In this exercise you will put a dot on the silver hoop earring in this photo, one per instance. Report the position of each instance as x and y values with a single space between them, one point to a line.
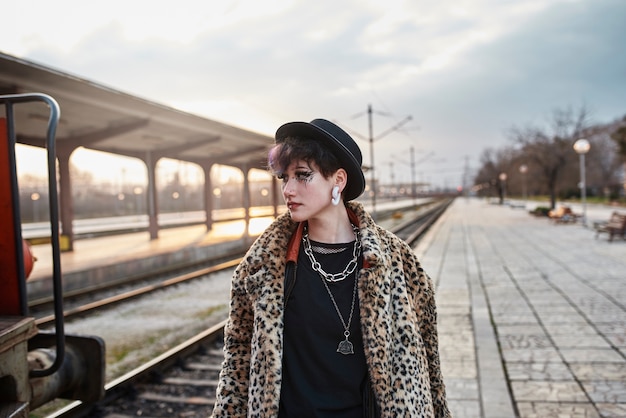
336 196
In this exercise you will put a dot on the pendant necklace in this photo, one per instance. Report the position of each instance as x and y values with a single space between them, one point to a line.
345 346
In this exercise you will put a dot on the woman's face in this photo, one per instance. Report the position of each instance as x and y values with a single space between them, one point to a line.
305 190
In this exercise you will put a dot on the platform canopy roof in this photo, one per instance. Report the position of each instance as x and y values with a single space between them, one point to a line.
100 118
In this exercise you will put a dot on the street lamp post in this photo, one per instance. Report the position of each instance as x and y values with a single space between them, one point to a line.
502 178
392 185
523 169
137 191
35 198
175 196
582 147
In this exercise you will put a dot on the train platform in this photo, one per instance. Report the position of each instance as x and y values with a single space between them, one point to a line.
95 261
532 314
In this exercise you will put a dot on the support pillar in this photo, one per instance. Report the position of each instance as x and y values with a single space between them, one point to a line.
246 198
275 196
151 196
66 200
208 195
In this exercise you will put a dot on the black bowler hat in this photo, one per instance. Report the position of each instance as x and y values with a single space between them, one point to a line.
341 144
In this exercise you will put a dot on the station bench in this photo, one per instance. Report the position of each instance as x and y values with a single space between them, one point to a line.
615 226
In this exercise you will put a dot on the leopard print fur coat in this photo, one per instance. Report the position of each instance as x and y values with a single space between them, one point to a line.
398 322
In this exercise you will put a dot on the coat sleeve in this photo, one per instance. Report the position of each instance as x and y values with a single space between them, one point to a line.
232 389
423 294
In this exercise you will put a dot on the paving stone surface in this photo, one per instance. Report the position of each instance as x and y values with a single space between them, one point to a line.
532 315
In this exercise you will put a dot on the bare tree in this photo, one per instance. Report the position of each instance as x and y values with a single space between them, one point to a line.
619 136
494 164
550 149
604 161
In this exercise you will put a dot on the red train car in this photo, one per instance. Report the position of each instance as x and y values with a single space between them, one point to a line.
36 366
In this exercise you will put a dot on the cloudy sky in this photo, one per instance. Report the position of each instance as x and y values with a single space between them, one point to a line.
465 71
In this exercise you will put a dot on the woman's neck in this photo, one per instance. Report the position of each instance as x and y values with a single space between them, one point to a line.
333 229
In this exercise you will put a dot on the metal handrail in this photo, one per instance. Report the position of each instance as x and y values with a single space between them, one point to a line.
53 121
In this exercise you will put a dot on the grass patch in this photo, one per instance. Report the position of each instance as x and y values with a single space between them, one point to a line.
207 313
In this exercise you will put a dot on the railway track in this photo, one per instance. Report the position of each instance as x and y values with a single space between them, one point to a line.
182 381
110 301
413 228
179 383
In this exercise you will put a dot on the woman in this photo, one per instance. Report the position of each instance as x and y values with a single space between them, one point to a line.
330 315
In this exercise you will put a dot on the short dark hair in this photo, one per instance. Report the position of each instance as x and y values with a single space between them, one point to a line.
294 148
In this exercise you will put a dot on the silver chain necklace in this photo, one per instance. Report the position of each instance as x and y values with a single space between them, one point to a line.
336 277
345 346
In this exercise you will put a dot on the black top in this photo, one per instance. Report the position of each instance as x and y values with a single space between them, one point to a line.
317 380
